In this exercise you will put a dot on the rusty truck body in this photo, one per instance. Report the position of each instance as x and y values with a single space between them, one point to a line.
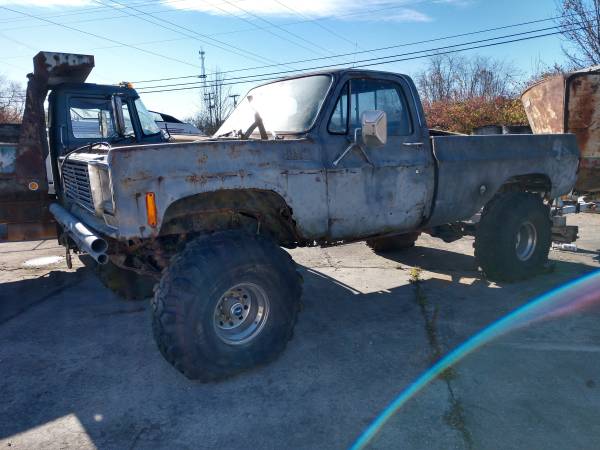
317 159
570 103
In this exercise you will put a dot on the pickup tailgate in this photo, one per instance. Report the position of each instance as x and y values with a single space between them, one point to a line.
471 169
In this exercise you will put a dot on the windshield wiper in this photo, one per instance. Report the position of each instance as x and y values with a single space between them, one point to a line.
236 133
258 122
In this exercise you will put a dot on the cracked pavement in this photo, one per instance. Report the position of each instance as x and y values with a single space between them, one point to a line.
78 367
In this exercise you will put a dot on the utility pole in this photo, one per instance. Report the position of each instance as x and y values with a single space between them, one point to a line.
234 97
206 95
202 70
208 100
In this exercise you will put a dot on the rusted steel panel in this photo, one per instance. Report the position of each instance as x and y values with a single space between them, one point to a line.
24 196
544 105
29 231
570 103
583 119
56 68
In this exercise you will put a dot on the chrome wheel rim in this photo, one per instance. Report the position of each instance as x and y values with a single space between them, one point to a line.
241 313
526 241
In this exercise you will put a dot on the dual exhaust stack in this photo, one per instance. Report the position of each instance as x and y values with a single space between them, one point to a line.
85 239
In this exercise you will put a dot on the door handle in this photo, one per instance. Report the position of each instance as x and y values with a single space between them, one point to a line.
412 144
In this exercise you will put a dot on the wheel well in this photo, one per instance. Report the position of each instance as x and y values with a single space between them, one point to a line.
533 182
259 211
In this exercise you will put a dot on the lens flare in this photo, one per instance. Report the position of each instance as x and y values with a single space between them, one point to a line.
567 299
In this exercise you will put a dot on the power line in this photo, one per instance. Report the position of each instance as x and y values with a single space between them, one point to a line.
266 29
313 20
262 19
433 52
97 36
368 60
205 38
389 47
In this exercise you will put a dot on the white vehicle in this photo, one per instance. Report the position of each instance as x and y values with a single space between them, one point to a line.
174 126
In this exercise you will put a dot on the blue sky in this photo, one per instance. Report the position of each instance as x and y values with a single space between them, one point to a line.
239 34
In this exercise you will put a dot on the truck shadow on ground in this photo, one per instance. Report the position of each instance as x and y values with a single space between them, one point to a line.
459 265
84 353
19 296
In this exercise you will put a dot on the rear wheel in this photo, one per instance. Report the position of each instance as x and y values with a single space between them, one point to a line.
513 237
393 243
228 302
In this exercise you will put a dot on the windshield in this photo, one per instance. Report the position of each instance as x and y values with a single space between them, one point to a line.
146 120
285 106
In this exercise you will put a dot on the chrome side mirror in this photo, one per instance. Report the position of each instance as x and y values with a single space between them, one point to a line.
374 128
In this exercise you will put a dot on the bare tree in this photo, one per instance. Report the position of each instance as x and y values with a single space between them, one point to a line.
458 78
12 101
216 104
540 71
579 23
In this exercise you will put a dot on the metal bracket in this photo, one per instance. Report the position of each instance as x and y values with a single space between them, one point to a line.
353 144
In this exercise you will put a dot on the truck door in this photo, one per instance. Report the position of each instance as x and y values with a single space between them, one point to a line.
386 189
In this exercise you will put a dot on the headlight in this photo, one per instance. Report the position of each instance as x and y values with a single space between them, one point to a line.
101 191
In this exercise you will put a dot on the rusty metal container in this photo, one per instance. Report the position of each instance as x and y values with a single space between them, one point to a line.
570 103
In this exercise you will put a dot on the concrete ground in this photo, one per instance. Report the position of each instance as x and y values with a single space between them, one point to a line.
79 368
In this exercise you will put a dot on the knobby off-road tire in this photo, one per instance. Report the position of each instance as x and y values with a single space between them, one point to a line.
216 277
513 237
393 243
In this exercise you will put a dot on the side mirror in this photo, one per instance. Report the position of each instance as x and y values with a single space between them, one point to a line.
374 128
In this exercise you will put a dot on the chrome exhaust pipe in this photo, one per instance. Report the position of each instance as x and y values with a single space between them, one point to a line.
85 239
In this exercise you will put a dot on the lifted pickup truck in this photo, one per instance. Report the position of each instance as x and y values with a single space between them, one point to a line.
318 159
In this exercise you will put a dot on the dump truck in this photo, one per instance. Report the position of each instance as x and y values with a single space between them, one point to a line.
317 159
30 151
570 103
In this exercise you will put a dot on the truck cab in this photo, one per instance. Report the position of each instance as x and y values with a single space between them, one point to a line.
83 114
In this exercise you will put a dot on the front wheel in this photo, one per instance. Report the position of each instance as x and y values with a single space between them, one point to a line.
513 237
227 303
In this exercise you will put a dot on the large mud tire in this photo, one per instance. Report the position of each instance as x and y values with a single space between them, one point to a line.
513 237
186 306
393 243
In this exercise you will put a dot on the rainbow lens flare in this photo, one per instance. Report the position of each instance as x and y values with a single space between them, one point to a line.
572 297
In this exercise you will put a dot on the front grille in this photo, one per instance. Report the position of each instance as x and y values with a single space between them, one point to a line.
76 183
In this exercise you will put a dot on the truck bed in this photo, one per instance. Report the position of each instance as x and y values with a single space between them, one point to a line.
472 169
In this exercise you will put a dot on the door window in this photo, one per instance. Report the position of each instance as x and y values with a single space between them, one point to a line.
338 122
384 96
129 131
91 118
